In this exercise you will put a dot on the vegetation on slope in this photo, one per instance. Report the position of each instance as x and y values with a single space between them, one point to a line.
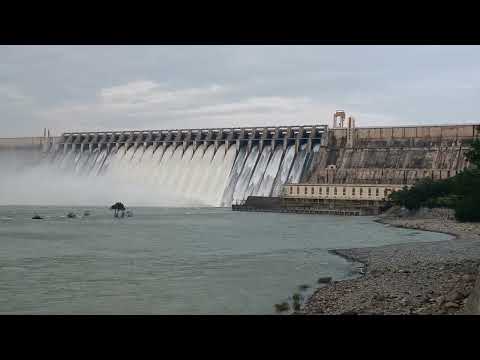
461 192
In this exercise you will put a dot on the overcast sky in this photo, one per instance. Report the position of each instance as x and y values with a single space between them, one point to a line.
67 88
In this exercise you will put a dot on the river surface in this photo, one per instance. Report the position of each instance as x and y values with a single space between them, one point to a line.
173 260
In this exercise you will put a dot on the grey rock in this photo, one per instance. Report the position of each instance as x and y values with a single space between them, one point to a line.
451 305
378 297
454 296
469 278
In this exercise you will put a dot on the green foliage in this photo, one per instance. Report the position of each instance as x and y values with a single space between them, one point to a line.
468 209
421 193
461 192
473 155
442 202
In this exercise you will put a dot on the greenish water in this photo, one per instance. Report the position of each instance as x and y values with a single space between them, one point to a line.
172 260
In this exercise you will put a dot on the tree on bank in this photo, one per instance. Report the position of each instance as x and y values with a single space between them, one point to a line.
460 192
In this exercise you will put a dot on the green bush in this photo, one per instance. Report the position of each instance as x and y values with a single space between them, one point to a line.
460 192
468 209
442 202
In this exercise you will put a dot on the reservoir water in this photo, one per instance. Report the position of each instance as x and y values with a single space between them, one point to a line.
172 260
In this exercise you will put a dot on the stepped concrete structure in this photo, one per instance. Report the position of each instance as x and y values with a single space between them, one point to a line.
391 155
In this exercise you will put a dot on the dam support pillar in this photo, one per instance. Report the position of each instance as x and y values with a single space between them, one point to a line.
288 135
67 142
298 139
228 141
240 139
250 140
120 140
324 139
275 138
167 140
187 140
208 140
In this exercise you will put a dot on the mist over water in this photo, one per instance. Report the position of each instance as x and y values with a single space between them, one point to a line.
148 176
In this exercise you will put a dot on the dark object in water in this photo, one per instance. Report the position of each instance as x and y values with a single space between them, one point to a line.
86 213
129 213
282 307
71 215
118 206
303 287
37 217
325 280
297 300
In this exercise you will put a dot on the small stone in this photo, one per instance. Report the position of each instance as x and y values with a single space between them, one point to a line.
451 305
440 300
378 297
454 296
468 277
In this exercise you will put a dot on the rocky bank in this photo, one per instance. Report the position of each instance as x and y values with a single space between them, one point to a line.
410 278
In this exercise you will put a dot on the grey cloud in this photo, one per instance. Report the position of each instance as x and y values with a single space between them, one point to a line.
80 87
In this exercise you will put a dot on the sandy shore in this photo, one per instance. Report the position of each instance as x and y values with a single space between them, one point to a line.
410 278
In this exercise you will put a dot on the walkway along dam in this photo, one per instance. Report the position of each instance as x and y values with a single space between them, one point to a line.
224 166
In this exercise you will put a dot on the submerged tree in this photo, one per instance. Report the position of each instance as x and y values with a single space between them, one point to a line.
117 207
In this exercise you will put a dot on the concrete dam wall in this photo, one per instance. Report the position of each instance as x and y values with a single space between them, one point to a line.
182 167
393 155
218 167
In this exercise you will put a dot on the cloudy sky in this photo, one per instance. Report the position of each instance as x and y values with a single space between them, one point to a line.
67 88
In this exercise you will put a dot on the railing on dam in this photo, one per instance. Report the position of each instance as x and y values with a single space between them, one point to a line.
238 136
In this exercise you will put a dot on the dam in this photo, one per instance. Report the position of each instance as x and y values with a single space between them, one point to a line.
197 167
225 166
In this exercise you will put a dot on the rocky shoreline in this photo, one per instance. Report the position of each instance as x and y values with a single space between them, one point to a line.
409 278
